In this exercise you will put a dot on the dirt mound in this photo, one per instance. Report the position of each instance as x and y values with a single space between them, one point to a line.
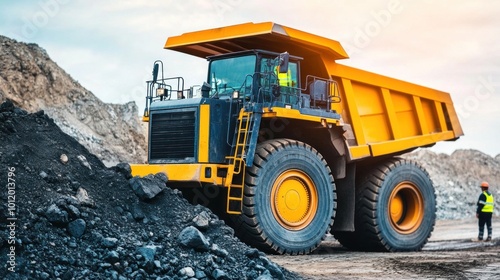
457 177
34 82
73 218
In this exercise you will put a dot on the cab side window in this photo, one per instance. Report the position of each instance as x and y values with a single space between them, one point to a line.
288 79
271 73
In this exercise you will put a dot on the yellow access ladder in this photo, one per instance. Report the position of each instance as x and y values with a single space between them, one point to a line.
235 179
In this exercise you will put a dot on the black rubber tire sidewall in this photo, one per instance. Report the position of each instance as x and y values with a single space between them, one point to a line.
393 240
302 157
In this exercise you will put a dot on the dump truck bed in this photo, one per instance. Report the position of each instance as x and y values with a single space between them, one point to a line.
381 115
388 116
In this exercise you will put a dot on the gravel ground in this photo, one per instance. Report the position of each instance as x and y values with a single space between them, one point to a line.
452 253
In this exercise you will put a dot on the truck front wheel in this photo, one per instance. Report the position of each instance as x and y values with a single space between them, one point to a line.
289 198
395 208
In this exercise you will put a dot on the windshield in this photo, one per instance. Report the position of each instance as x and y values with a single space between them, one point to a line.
230 74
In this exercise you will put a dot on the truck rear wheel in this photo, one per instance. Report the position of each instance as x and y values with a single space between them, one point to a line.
395 208
289 199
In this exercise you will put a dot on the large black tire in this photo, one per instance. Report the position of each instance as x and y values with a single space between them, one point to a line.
289 198
395 208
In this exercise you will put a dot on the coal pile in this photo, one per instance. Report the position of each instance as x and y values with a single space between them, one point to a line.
73 218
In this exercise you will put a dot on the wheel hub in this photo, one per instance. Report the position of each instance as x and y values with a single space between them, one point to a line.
294 199
406 208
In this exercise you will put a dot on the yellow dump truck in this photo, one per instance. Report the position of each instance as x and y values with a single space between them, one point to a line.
290 145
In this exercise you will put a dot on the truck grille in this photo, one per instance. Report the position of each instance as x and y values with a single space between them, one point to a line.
172 135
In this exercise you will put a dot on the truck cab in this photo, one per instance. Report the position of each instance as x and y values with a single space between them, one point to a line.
181 118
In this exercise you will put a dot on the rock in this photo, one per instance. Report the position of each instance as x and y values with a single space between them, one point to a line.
147 187
63 158
83 197
7 126
191 237
63 260
73 211
56 216
109 242
137 212
112 257
123 168
147 252
77 227
218 251
219 274
265 276
253 253
202 220
200 274
43 174
7 106
187 271
275 271
83 161
162 177
157 264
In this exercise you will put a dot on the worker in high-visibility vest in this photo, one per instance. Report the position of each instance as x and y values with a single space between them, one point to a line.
485 211
287 83
285 79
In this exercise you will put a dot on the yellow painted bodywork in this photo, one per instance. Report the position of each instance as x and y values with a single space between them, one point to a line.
266 36
204 132
387 116
279 112
179 172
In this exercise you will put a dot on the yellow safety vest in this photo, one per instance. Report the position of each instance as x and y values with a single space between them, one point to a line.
284 78
488 204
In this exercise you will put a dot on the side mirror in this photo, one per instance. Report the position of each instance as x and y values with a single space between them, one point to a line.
283 63
155 72
205 89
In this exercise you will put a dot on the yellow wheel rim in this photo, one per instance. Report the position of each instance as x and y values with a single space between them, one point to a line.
294 199
406 208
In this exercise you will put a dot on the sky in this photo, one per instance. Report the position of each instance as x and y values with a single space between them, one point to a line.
110 46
